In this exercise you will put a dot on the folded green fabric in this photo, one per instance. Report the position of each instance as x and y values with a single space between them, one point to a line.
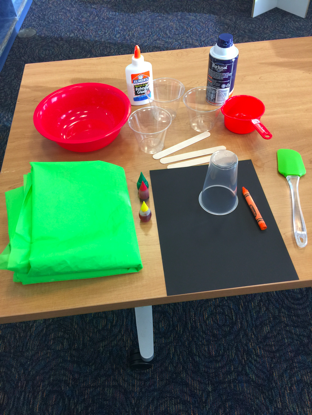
70 220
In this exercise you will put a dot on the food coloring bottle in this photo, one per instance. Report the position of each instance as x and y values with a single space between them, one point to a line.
222 66
139 77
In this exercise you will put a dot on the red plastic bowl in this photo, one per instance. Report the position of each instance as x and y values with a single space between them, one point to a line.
82 117
238 112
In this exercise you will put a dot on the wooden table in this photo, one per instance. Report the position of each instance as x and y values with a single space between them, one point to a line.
277 72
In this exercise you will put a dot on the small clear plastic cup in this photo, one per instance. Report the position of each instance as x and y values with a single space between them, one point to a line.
150 125
167 94
219 194
202 114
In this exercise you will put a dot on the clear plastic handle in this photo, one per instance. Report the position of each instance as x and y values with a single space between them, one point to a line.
300 229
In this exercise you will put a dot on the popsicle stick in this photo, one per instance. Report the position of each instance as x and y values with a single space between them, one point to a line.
187 163
181 145
191 154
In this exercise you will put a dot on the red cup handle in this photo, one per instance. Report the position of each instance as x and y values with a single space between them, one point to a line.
264 132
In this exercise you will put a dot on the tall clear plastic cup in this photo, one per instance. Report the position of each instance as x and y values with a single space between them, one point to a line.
150 125
202 114
167 94
219 194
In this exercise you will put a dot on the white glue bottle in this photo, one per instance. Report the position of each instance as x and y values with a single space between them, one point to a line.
222 66
139 77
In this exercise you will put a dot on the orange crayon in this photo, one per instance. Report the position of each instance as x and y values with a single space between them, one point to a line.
254 209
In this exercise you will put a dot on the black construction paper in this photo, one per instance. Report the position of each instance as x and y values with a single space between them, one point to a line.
203 252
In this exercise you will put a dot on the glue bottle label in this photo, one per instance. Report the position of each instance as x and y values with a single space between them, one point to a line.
141 88
221 78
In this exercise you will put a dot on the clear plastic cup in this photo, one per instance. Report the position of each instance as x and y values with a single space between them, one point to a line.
150 125
167 94
219 194
202 114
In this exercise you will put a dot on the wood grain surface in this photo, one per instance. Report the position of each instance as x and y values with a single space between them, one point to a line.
278 72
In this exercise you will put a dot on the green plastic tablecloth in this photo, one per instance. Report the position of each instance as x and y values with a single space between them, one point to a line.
70 220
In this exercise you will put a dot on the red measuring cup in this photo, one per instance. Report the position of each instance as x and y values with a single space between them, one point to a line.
242 114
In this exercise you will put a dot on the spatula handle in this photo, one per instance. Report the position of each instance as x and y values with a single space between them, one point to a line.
300 229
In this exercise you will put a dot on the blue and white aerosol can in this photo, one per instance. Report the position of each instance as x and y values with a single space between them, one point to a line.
222 66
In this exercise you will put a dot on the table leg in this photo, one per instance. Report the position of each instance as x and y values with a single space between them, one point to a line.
298 7
144 323
262 6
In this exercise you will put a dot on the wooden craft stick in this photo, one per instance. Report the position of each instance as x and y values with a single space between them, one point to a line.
191 154
187 163
181 145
